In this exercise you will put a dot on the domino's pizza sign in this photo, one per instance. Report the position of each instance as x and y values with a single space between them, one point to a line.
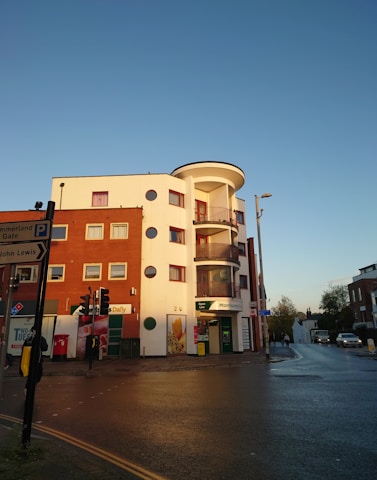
17 308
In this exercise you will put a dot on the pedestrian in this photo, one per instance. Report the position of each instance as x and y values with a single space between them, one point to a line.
282 339
286 340
25 357
8 361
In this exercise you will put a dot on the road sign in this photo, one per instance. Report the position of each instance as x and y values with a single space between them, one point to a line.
22 252
24 231
264 313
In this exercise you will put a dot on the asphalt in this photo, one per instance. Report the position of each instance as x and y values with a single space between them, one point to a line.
51 458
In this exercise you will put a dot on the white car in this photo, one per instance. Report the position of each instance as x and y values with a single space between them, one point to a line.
348 340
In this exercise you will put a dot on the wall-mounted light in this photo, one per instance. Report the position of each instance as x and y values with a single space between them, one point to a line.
38 205
133 291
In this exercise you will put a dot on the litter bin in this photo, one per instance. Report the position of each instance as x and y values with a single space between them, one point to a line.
60 347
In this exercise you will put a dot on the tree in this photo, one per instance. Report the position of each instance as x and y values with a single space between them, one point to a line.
335 303
282 317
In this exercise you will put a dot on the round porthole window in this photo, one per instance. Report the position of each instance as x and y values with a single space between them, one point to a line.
150 323
150 272
151 195
151 232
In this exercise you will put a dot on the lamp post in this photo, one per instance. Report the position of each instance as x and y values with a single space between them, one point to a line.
261 277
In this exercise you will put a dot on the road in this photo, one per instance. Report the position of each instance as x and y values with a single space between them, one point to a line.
309 418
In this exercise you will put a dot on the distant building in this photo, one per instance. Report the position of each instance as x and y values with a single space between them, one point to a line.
363 292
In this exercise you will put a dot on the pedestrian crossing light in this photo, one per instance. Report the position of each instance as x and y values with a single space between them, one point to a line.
104 300
84 310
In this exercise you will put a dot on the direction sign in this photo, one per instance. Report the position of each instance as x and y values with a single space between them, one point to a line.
24 231
22 252
264 313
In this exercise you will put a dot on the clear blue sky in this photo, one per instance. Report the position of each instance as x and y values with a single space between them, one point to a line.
285 89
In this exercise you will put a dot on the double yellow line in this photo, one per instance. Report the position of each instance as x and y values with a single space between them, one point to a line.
121 463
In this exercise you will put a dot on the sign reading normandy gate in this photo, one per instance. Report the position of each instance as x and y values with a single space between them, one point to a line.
24 231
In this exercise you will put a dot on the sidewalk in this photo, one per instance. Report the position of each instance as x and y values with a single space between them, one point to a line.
48 457
156 364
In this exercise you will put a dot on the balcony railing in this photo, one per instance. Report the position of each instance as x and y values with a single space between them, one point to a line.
219 251
218 289
216 215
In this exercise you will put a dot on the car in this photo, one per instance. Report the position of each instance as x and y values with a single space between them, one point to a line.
348 340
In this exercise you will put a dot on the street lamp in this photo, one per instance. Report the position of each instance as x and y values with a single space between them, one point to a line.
261 277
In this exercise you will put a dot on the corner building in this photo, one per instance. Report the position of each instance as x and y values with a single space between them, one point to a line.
194 281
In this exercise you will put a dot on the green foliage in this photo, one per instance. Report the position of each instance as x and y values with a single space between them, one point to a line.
282 318
337 312
16 462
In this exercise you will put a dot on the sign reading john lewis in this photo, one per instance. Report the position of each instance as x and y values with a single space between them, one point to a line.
22 252
24 231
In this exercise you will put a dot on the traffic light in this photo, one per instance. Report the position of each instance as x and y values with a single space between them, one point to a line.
84 310
104 300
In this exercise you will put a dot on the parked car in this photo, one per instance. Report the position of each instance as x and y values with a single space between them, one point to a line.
348 340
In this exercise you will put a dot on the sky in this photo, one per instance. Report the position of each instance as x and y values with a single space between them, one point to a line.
284 89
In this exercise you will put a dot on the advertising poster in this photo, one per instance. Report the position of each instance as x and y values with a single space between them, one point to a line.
101 328
176 334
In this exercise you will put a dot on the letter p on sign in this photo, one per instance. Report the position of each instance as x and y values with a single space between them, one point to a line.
41 230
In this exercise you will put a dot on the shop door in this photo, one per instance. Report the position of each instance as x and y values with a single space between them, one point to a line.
226 335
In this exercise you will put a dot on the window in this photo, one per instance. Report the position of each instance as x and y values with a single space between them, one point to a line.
92 271
240 217
55 273
200 211
100 199
243 281
27 274
359 294
94 232
59 232
150 272
150 323
353 296
176 198
119 231
177 273
242 249
177 235
151 195
117 271
151 232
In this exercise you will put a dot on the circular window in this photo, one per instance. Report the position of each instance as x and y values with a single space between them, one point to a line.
150 323
151 195
151 232
150 272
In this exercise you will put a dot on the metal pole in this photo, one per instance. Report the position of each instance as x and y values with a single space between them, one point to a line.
8 308
36 347
261 281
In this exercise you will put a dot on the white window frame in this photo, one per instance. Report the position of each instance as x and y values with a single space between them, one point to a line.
117 264
34 271
89 277
113 228
60 239
50 276
94 225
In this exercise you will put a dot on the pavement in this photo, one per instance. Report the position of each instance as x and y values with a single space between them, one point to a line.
48 457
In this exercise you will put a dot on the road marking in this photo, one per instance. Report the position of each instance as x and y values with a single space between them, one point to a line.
119 462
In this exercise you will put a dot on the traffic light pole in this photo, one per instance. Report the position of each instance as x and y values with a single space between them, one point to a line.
4 342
